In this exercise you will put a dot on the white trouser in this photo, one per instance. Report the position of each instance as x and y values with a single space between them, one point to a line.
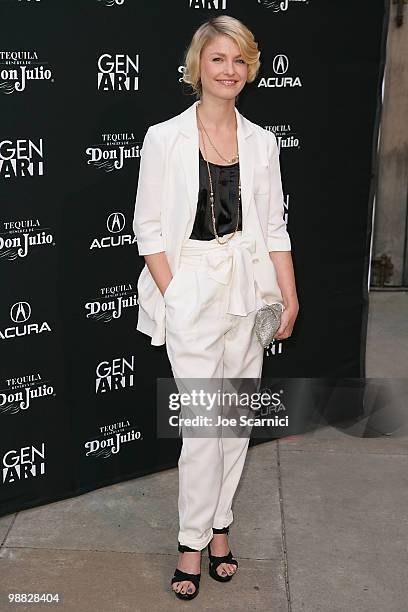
211 304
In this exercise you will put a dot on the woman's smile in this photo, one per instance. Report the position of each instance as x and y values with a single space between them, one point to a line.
228 83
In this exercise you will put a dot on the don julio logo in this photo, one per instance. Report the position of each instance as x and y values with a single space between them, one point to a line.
110 439
20 391
113 151
115 223
285 136
20 313
19 237
280 66
280 5
118 72
20 158
111 2
111 303
19 67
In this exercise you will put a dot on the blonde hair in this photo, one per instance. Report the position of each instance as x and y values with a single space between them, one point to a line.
223 24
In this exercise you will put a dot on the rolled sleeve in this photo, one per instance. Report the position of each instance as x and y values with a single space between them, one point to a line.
147 225
278 236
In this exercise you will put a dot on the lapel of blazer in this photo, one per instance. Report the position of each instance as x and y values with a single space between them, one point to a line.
189 153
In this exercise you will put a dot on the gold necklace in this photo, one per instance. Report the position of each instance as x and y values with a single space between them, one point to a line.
212 199
229 161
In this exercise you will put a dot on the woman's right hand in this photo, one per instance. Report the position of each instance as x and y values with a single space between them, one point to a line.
160 270
167 286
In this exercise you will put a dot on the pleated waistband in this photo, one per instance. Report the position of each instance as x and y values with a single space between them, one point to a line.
196 249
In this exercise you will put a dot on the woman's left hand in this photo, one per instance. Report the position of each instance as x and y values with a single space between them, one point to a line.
288 319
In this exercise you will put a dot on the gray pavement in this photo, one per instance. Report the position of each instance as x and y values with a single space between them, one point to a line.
321 523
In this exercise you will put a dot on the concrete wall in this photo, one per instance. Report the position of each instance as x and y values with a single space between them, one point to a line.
390 217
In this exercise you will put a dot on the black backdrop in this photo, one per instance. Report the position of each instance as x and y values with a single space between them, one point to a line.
65 343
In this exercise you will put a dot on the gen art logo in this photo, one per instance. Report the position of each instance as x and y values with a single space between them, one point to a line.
208 4
119 72
114 375
24 463
21 157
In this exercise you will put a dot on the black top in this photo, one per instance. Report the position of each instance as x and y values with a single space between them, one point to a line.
225 184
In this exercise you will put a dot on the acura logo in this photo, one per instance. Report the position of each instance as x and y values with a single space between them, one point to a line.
20 312
280 64
116 222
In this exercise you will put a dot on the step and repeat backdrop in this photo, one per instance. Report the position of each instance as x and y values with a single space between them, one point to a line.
80 83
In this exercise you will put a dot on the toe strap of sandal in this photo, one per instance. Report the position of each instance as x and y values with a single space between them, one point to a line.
183 548
179 576
216 561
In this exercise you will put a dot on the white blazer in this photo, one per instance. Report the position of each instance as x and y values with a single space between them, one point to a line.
166 202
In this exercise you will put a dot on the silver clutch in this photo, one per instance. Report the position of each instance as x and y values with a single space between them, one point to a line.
267 322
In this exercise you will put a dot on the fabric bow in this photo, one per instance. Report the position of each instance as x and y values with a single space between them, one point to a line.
234 266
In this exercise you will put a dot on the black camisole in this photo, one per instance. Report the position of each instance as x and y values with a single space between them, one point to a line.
225 185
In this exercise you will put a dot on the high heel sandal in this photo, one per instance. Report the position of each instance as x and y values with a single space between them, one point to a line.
216 561
179 576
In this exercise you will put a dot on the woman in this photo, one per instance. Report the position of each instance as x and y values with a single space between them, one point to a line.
209 222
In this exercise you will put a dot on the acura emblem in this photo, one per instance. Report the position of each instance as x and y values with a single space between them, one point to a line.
280 64
20 312
116 222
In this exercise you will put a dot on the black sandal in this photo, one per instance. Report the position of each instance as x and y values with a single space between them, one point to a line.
216 561
179 576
